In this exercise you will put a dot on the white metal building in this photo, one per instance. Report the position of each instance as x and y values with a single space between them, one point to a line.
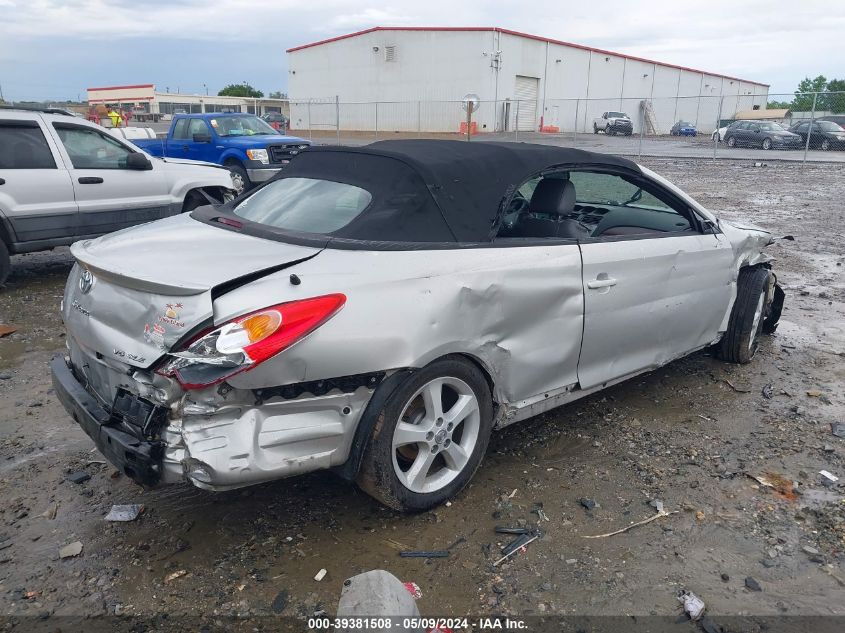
522 80
145 98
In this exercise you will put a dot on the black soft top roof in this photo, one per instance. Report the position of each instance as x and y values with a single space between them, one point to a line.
459 188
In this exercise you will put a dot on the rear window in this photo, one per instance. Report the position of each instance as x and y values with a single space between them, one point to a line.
308 205
23 146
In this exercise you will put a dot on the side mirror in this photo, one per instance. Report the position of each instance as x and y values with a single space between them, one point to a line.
139 161
202 138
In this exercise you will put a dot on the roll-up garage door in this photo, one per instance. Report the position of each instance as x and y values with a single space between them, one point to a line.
527 89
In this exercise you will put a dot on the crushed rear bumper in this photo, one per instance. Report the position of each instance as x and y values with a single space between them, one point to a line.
137 458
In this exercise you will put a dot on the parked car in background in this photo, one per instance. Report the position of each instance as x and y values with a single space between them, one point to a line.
719 134
839 119
277 121
613 123
380 310
683 128
824 135
243 143
63 179
764 134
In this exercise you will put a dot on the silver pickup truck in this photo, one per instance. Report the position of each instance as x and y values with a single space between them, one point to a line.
613 123
63 179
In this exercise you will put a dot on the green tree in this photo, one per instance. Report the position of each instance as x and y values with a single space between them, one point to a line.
240 90
775 105
804 102
835 102
278 94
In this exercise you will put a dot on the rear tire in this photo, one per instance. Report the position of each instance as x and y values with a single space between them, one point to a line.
5 263
430 436
749 313
595 129
766 144
731 142
825 145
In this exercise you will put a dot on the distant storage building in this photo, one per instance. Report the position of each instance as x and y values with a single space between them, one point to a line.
144 98
419 75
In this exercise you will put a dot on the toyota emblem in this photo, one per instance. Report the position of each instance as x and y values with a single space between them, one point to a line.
86 281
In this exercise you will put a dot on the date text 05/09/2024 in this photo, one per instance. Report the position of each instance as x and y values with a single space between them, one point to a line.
428 624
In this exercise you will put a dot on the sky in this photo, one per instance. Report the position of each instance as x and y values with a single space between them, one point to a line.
55 49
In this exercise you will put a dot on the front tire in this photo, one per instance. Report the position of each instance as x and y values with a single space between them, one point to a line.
607 130
430 436
5 263
240 179
595 129
749 313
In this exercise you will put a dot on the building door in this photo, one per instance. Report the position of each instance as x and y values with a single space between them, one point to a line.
526 91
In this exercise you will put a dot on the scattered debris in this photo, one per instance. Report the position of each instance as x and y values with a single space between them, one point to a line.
425 554
71 550
725 577
783 486
829 476
810 550
513 494
50 513
589 503
413 589
737 389
500 529
815 393
768 391
176 574
660 513
693 605
125 512
79 477
752 584
320 575
657 504
518 542
838 429
514 551
280 602
5 330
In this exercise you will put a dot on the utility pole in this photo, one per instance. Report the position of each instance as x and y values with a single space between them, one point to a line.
1 93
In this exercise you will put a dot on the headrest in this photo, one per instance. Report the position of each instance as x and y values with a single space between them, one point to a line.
553 195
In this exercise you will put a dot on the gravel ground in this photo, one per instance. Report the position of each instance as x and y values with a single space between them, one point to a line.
692 434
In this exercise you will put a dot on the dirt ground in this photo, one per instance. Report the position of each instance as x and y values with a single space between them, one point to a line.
690 434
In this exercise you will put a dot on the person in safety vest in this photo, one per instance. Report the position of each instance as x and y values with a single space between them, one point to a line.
115 117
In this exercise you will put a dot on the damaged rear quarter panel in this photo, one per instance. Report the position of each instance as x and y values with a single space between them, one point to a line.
518 311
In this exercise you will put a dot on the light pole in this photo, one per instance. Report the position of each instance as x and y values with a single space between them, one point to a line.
206 89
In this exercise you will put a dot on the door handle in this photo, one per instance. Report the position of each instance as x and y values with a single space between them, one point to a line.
185 148
604 282
90 180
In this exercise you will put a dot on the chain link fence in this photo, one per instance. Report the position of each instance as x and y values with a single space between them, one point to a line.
797 126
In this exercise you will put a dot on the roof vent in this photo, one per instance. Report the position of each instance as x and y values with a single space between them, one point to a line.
390 53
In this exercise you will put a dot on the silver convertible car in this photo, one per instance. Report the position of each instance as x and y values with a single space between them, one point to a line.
378 311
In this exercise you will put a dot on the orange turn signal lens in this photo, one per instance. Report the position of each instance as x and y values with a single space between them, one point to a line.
260 326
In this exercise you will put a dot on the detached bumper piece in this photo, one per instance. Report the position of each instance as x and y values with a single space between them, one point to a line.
121 435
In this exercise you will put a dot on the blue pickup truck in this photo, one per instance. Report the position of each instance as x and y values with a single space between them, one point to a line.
251 149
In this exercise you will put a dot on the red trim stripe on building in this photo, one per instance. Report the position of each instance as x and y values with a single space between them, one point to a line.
124 87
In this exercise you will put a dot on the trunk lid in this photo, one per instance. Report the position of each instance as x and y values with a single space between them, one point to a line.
133 294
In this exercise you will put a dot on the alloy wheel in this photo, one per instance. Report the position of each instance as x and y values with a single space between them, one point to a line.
436 434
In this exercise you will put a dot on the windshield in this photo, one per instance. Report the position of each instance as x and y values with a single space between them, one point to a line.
616 115
771 127
305 204
829 126
241 126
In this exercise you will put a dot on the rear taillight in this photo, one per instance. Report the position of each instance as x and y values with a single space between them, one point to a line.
248 340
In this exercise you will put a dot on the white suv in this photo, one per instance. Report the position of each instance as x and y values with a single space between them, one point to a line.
63 179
